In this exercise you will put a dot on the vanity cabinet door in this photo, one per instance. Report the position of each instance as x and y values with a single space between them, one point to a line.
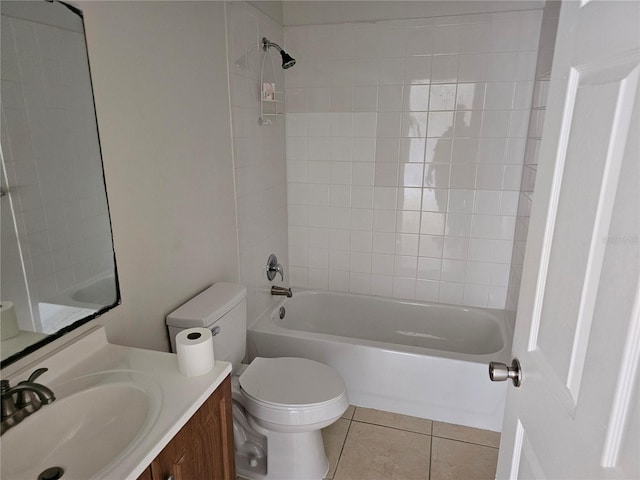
146 475
203 448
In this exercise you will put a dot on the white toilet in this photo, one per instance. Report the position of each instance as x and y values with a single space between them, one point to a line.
279 404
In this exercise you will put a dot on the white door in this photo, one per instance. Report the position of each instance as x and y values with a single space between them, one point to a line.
576 414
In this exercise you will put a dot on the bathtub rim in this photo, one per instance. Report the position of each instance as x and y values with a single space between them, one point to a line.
265 323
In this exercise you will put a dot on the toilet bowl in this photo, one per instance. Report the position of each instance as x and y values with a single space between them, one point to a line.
289 400
280 405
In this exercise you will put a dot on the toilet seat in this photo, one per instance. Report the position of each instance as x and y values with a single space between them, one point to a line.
292 392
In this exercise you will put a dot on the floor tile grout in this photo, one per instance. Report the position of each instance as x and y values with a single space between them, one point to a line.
426 434
344 442
466 441
392 427
430 453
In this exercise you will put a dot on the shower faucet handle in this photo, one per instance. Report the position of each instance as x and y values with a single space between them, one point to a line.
274 267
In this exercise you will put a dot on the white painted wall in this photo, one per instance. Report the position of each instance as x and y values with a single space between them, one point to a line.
273 10
321 12
160 83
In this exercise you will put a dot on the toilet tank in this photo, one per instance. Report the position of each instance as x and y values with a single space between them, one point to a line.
222 308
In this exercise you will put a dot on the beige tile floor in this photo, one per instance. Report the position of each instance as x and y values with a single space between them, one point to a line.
367 444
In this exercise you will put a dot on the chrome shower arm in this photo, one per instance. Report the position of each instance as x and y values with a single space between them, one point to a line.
266 43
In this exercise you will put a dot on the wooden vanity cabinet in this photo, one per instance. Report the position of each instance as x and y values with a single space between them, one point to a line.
203 448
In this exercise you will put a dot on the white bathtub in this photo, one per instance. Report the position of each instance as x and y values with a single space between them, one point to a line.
425 360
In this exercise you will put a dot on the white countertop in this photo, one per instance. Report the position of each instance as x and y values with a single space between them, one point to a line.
174 398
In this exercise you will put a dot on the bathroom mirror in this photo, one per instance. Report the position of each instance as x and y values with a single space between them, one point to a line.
57 265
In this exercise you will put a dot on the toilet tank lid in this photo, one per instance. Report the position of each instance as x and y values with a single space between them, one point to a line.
208 307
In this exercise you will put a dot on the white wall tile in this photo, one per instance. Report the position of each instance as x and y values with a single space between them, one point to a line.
417 70
444 68
461 201
338 281
362 196
453 270
419 41
339 260
338 217
451 293
339 195
442 97
362 219
391 71
364 124
360 283
429 268
455 248
390 98
476 295
318 279
320 149
361 262
364 150
409 198
361 240
338 239
296 125
384 220
382 264
318 237
404 287
318 258
318 124
384 242
407 244
427 290
382 285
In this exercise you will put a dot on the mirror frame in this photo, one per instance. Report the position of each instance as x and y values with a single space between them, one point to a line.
78 323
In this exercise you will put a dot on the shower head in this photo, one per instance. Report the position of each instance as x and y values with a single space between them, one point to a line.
287 60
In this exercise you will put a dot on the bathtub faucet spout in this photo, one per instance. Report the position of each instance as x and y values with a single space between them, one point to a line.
275 290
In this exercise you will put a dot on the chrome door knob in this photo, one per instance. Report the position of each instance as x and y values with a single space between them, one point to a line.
499 372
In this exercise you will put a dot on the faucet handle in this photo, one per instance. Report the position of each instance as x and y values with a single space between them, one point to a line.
35 374
274 267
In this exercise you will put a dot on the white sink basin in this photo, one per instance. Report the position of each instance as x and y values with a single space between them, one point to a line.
116 408
81 433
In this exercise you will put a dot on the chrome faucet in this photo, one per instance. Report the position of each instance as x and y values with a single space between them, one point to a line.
30 396
274 267
275 290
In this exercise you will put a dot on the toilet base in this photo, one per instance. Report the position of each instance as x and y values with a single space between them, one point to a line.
290 456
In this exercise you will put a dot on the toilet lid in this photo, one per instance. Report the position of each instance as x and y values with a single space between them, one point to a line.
291 381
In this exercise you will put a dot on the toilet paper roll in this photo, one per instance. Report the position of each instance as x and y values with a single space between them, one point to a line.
8 321
194 347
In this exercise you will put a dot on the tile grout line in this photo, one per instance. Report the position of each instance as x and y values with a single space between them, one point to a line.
393 428
342 448
465 441
430 453
426 434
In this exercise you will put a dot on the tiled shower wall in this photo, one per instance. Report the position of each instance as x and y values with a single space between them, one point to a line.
259 153
404 145
534 137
